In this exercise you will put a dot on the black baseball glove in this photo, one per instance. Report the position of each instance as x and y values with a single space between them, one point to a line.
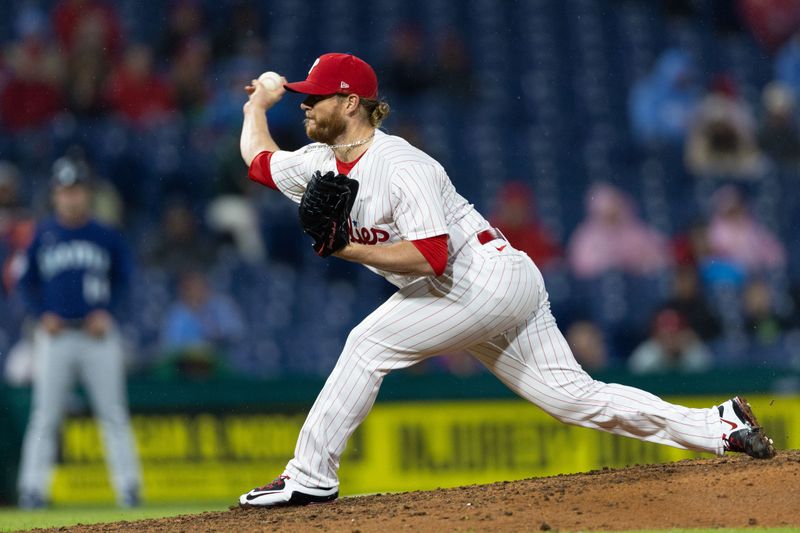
325 211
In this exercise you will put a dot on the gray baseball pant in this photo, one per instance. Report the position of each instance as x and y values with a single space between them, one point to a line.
98 364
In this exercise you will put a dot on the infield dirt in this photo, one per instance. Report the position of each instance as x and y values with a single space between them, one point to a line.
724 492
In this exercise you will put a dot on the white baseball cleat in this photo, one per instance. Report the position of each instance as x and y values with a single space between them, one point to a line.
285 491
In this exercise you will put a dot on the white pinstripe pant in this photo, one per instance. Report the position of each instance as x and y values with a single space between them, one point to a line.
492 303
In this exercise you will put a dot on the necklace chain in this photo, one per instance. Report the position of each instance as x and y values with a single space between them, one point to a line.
347 146
352 144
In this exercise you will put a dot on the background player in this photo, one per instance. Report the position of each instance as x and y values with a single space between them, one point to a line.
77 271
462 286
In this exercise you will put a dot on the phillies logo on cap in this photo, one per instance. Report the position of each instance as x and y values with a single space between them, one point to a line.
328 73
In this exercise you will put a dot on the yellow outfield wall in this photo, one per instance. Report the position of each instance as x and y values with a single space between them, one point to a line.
400 447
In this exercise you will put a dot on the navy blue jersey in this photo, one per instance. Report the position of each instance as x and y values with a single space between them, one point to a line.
72 271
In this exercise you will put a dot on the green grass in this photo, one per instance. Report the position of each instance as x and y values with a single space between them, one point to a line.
13 519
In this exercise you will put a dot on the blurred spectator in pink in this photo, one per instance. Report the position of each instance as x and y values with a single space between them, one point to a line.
136 92
31 97
588 346
722 137
736 236
771 22
93 22
612 237
672 347
778 133
692 249
660 105
515 216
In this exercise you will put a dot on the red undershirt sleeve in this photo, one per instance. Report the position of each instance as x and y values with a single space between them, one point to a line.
435 251
260 171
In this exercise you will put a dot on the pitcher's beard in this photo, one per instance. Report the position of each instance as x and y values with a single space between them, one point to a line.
325 130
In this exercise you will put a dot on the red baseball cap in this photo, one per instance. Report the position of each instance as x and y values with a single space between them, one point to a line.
338 73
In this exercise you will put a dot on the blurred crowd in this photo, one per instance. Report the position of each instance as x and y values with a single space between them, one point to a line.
225 282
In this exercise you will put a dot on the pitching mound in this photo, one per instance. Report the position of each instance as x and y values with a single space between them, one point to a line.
726 492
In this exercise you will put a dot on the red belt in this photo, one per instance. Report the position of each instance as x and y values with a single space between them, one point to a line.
489 235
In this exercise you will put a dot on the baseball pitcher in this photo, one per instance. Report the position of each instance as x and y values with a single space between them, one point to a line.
372 198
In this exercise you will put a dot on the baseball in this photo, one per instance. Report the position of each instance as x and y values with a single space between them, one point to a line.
270 80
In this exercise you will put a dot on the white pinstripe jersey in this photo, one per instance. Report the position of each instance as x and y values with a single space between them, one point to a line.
403 194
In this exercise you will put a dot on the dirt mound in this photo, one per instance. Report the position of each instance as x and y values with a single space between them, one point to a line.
724 492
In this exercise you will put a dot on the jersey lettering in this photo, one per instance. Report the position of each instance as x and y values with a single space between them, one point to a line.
368 235
72 255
